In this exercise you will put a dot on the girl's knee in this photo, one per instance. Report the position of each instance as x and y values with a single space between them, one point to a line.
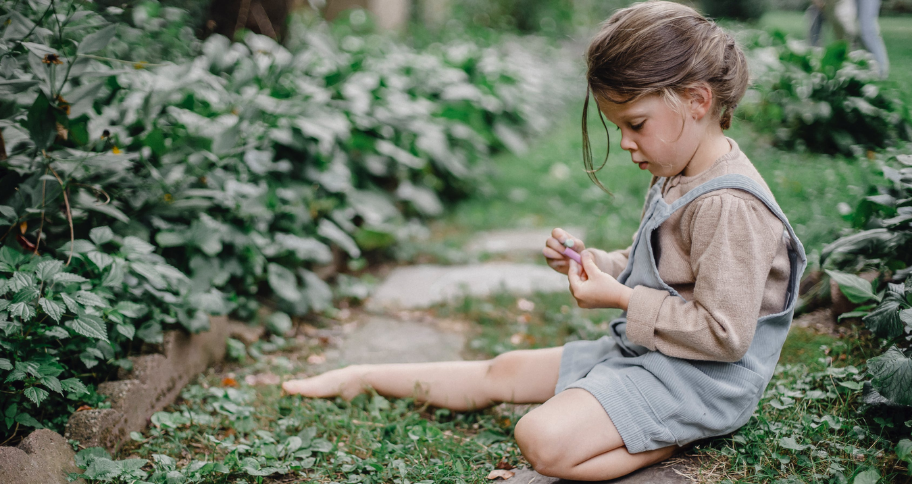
540 442
501 371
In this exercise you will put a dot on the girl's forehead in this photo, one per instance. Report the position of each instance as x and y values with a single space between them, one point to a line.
638 107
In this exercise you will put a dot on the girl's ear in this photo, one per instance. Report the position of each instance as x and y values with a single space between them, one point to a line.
701 100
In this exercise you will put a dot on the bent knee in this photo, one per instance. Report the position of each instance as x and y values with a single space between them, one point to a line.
542 443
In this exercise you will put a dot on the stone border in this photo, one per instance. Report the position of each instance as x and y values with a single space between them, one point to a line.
155 382
43 457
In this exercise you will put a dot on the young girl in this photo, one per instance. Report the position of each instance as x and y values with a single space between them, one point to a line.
709 284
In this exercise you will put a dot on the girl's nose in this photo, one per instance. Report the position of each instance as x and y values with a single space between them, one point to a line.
626 143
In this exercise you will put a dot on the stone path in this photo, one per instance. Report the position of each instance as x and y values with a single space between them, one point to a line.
520 240
386 340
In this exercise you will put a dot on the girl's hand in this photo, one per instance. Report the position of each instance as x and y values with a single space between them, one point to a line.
554 250
593 288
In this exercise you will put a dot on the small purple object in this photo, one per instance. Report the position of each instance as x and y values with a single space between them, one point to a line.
573 255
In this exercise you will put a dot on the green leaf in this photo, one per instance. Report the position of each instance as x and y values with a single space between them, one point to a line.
85 457
70 303
57 332
100 259
26 295
73 385
885 319
852 385
278 323
128 330
97 40
69 278
48 268
23 311
42 124
52 309
904 451
791 444
8 214
101 235
856 289
36 395
88 299
870 476
892 372
88 325
39 50
52 384
283 282
130 309
5 364
26 419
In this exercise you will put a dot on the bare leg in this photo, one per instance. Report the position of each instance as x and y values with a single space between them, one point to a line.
524 376
572 437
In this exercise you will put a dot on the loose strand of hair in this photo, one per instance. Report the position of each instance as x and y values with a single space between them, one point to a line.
587 147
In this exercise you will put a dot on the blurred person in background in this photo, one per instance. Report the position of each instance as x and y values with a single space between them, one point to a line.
852 20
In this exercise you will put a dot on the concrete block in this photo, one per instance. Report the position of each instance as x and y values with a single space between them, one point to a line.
43 457
154 383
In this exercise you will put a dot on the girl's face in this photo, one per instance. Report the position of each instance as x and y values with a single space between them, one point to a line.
659 138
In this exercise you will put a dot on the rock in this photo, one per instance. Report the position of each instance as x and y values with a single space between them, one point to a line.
387 340
427 285
44 457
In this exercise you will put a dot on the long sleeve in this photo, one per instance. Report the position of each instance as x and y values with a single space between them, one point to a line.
732 243
613 262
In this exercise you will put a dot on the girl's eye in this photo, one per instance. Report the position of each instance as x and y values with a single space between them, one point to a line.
637 127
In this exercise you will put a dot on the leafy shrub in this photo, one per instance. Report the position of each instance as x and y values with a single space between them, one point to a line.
886 246
825 100
750 10
247 165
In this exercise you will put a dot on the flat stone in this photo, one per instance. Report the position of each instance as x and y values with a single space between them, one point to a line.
426 285
660 473
387 340
515 240
43 457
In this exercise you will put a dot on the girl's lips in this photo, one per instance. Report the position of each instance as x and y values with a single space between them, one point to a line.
643 165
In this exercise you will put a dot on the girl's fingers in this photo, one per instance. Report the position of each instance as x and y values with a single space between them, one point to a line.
553 253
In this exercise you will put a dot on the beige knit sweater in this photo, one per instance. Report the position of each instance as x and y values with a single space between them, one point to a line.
725 253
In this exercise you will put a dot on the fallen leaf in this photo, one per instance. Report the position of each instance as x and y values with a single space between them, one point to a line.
83 408
316 359
501 473
229 382
503 464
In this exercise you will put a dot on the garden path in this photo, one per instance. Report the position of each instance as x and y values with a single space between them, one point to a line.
397 331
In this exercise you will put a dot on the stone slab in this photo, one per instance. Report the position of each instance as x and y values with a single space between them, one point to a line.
515 240
387 340
43 457
657 474
154 383
426 285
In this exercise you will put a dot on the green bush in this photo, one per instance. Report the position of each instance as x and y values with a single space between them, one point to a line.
826 100
245 165
886 247
748 10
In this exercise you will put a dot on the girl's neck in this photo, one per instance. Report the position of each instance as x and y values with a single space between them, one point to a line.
714 146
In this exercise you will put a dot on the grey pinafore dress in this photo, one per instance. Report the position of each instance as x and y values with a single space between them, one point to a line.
656 400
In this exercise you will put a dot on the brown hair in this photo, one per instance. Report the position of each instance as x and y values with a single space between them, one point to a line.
660 47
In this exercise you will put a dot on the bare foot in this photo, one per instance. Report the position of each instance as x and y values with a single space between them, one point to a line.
344 382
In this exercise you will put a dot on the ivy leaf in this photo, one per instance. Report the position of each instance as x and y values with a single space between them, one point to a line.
5 364
70 303
892 372
73 385
96 40
69 278
101 235
23 311
36 395
130 309
856 289
89 325
52 383
54 310
128 330
48 269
